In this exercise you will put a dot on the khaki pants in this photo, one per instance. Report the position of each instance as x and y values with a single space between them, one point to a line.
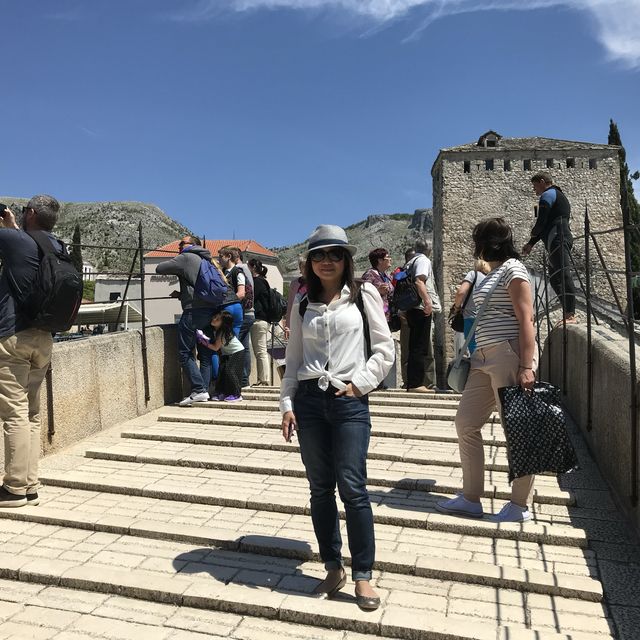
491 368
260 332
24 360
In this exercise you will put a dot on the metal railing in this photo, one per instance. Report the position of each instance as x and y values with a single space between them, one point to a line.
608 304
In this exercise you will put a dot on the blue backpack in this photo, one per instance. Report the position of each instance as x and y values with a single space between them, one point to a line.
210 285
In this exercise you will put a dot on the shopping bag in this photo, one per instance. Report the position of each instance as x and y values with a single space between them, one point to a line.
535 430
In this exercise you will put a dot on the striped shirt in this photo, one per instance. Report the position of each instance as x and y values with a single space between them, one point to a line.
498 321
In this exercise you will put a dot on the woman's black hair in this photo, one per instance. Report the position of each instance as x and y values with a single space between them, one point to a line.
314 284
258 267
376 255
494 240
225 330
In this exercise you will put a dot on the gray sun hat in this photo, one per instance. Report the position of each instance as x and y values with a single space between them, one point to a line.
329 235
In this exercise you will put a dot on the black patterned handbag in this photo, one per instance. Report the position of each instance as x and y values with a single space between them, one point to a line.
535 430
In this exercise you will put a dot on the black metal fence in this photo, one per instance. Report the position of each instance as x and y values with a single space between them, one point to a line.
608 304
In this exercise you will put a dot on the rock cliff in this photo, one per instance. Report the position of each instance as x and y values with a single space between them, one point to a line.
394 232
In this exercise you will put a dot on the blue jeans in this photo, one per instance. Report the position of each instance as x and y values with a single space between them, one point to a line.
191 320
468 323
334 439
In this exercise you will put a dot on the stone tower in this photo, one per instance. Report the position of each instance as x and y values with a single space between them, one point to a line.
492 177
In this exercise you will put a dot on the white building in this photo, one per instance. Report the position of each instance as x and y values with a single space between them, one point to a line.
159 308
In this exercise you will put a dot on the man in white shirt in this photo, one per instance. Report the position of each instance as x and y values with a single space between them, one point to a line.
241 280
419 319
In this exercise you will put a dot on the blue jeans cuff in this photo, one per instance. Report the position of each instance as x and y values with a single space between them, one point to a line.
360 575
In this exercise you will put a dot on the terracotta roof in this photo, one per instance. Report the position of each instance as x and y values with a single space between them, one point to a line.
170 250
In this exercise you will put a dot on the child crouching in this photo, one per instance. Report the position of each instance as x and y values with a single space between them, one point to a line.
220 337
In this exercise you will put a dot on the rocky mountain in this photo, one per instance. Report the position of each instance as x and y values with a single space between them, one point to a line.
394 232
111 224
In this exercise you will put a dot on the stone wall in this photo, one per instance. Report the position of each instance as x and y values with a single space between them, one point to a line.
610 436
98 382
462 199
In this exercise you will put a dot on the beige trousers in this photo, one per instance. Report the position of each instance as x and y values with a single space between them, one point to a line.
24 360
260 332
491 368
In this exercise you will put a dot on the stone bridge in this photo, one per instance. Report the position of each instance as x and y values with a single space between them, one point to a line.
188 524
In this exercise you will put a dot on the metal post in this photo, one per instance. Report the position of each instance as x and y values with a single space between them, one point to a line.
546 302
587 257
632 350
537 299
126 289
145 364
51 424
563 302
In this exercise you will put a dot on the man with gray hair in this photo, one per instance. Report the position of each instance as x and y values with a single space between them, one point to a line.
419 318
25 351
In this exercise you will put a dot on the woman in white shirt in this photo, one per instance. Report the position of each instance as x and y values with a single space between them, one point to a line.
330 369
505 356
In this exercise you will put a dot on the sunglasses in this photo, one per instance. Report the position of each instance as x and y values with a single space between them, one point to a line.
334 255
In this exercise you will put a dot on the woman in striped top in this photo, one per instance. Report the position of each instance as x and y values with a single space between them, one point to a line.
505 356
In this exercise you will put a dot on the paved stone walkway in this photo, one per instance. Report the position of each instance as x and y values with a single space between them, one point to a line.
194 523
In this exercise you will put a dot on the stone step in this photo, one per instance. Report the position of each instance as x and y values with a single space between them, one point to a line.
418 413
246 584
108 510
398 449
288 463
288 495
386 393
504 577
434 430
374 400
32 611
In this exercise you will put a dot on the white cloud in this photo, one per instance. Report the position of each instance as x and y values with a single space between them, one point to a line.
617 22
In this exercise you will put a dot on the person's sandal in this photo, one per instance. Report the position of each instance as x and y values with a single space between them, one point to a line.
567 320
331 590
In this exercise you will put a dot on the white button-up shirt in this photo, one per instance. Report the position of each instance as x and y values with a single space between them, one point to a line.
328 345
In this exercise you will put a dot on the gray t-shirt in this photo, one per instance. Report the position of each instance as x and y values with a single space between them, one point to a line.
470 308
20 262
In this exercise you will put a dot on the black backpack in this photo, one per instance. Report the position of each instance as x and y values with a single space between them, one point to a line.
55 295
405 292
276 306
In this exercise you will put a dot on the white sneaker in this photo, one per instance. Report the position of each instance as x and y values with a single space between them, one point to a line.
512 513
194 397
460 506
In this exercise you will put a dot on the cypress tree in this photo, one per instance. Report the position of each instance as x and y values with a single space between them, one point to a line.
629 205
76 250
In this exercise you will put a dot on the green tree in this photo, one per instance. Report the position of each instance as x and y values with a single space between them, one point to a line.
76 249
89 290
629 205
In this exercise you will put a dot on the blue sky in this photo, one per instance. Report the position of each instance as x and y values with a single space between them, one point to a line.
264 118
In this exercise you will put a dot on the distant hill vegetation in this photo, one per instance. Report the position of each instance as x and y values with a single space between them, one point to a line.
395 232
111 224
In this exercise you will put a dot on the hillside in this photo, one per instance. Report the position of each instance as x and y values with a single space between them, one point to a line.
111 224
394 232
